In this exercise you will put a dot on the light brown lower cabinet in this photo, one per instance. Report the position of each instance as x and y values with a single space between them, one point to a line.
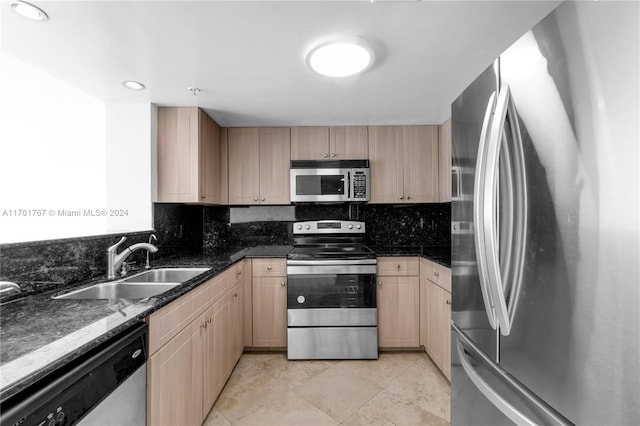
435 321
269 303
398 293
187 373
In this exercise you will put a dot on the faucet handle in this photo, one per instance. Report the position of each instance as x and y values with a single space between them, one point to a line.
114 247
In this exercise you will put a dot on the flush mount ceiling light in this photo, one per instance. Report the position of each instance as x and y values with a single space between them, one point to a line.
29 11
340 56
133 85
194 90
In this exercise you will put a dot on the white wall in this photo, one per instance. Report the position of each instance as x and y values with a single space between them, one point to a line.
64 155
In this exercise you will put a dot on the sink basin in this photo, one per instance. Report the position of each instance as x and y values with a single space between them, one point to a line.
165 275
145 284
119 290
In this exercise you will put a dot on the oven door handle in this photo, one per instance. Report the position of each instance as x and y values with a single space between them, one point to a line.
342 269
331 262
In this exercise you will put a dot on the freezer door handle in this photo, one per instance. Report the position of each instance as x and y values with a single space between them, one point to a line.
505 266
478 213
467 349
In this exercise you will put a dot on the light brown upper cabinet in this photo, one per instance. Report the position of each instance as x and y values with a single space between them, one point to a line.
404 164
191 157
259 160
329 143
444 131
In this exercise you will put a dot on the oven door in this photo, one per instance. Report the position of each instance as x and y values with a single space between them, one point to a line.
331 286
319 185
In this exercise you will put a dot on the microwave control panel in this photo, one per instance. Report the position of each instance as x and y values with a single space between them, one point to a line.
359 184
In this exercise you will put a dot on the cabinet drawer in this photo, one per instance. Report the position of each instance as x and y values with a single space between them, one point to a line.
269 267
169 321
440 275
398 266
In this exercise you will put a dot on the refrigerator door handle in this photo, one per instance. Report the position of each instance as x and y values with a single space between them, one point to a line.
478 212
467 349
516 210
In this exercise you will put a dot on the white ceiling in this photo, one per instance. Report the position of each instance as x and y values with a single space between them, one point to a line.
248 57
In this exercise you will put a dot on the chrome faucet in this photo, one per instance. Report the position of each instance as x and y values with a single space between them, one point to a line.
114 261
152 237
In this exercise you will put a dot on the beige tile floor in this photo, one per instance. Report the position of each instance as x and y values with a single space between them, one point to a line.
397 389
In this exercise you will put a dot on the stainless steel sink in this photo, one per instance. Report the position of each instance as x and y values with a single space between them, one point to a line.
119 290
141 286
165 275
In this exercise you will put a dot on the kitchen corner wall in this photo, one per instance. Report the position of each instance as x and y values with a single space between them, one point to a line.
203 229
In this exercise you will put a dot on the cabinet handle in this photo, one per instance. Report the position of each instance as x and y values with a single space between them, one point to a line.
402 198
448 302
408 198
262 199
209 320
235 295
269 268
398 266
203 196
282 283
436 274
325 155
333 155
379 283
255 199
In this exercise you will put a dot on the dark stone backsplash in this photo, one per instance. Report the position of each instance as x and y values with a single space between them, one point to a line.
192 229
413 225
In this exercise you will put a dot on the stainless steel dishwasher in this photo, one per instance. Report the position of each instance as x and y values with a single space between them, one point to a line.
106 386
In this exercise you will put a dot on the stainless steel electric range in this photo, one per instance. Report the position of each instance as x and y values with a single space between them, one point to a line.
331 293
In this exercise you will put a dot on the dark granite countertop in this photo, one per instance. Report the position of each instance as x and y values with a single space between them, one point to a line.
438 254
39 334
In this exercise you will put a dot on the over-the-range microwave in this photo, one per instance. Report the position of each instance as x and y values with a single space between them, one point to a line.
330 181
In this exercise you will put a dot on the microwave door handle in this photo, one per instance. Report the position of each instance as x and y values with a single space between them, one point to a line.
348 191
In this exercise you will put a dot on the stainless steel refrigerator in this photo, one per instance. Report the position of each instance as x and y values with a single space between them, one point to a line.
545 226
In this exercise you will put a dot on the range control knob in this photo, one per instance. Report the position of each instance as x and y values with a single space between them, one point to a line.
307 227
358 226
299 226
350 226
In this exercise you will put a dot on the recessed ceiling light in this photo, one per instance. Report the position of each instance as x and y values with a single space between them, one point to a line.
340 57
133 85
29 11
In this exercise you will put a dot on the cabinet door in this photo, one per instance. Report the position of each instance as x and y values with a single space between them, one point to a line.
244 165
210 160
420 164
275 161
446 341
424 273
248 302
218 363
349 143
309 143
398 311
269 312
445 161
237 310
435 323
178 161
385 155
174 380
